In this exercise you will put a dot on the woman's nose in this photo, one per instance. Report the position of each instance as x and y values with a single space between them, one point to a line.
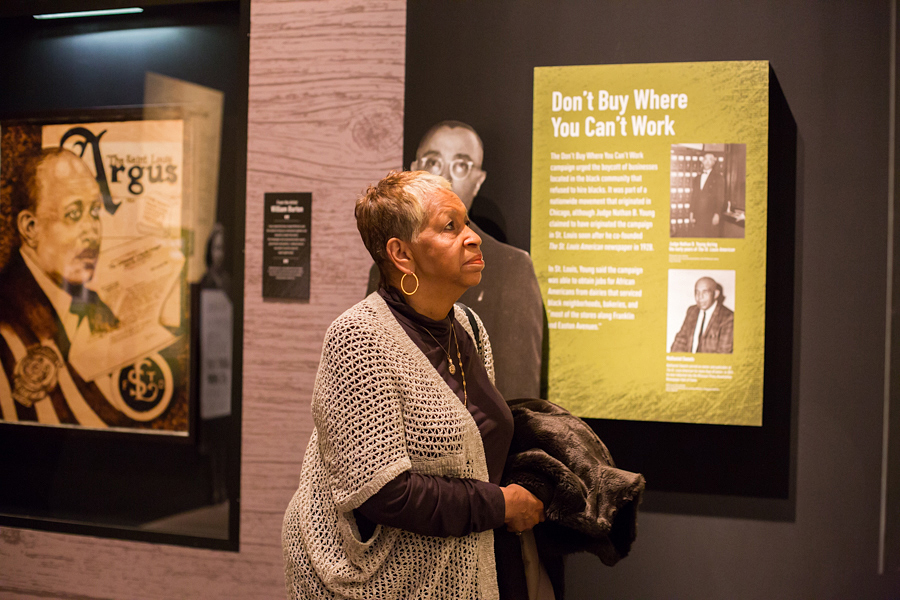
474 238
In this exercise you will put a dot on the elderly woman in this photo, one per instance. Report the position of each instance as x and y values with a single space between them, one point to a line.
399 491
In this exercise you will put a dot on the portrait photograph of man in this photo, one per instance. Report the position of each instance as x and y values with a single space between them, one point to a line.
699 321
708 183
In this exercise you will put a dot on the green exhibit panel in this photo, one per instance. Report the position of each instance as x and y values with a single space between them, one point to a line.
649 236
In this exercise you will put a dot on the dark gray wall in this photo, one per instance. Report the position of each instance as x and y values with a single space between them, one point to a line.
832 60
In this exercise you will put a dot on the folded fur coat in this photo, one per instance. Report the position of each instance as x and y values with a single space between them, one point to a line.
591 506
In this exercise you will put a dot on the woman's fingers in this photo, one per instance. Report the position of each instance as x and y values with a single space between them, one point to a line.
523 509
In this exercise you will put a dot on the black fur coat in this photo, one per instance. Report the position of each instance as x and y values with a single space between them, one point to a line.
591 506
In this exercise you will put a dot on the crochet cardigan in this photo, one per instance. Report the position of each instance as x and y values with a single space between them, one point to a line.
379 409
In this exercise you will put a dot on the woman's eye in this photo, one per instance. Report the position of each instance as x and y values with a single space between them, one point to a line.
450 226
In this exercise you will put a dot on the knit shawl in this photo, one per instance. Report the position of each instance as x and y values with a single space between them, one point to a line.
380 408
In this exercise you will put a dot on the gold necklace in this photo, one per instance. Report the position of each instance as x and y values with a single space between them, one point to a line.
463 371
450 366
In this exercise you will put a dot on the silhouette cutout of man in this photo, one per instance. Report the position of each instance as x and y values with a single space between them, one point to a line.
508 299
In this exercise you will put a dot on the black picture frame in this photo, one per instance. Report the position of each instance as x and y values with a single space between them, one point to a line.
75 488
889 532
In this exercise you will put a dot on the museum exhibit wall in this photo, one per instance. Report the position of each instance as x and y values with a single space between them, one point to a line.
326 89
325 116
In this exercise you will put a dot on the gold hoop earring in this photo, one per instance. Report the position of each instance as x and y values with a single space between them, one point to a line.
402 289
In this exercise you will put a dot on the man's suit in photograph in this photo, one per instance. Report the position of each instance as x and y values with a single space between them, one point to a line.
707 201
717 336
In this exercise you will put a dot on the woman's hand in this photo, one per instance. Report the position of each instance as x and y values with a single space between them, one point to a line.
523 509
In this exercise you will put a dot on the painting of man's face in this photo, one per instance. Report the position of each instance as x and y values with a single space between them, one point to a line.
63 230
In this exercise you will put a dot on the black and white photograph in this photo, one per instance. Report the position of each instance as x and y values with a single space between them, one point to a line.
701 311
708 190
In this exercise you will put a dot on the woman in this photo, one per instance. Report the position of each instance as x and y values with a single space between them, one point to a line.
399 489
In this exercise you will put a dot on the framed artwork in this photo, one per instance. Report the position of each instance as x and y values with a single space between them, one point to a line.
120 353
110 285
95 323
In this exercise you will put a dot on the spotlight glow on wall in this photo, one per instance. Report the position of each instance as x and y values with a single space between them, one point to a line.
90 13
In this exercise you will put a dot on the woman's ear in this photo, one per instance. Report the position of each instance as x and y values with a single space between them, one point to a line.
400 255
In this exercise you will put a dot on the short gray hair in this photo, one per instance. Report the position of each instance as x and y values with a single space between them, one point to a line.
394 208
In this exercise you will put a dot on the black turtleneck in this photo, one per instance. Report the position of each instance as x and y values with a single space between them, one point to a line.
446 506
